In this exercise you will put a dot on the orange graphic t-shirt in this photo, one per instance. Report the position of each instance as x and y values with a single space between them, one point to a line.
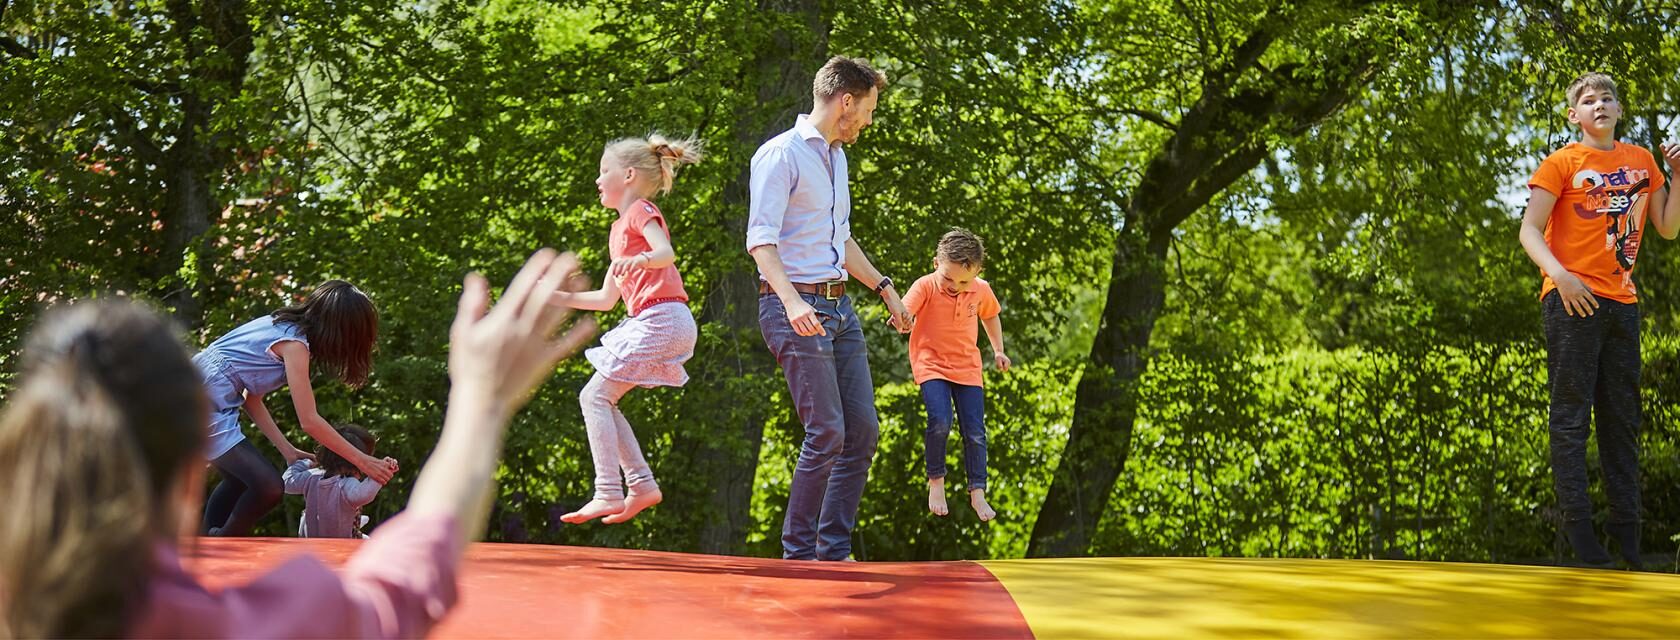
1596 225
943 341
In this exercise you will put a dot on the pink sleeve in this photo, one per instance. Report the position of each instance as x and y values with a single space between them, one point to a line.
398 585
403 581
641 215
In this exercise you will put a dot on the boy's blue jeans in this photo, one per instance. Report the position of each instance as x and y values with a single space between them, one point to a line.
970 402
828 378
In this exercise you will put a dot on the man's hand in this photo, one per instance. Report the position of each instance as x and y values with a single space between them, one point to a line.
901 318
803 318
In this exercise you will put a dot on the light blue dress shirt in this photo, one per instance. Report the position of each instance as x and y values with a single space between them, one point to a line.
801 202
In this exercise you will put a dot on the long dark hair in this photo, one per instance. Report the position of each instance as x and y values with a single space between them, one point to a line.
108 412
334 464
341 324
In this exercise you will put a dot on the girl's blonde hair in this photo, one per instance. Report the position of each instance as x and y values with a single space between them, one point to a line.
108 412
655 155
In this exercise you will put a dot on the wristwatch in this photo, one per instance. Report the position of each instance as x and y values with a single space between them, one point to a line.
882 285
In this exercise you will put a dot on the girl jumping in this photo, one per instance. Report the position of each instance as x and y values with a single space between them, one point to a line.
649 348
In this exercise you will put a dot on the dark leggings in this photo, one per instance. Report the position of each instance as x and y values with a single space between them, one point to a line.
250 488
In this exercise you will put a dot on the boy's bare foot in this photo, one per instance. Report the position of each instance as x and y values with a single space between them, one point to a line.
977 499
936 497
595 509
634 504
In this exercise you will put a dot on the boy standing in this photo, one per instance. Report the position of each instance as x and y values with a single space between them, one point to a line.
1585 220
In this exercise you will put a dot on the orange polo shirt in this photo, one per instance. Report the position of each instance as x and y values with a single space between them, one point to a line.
943 342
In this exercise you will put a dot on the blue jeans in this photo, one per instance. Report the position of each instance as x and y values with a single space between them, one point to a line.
970 402
828 377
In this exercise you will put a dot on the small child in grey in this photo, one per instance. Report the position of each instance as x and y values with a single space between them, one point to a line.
334 490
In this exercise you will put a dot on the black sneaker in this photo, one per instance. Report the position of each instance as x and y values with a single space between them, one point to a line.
1626 537
1586 545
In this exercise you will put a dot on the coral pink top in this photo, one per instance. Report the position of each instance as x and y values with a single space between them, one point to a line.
643 288
398 585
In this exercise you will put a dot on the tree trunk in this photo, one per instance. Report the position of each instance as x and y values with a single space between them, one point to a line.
186 216
1105 403
781 72
193 162
1218 140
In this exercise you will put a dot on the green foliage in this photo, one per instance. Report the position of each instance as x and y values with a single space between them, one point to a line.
1347 362
1439 453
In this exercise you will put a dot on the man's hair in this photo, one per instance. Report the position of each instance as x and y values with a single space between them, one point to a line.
962 247
851 76
1595 81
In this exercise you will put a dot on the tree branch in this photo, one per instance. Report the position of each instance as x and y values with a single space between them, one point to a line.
1219 140
1150 116
128 131
155 88
15 49
9 45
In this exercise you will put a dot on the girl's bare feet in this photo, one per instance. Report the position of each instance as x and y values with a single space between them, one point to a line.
595 509
936 497
634 504
977 499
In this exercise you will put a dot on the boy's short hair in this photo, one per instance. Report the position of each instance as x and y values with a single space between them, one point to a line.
1592 80
961 246
335 465
852 76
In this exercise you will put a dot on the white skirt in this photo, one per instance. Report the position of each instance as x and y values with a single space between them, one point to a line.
648 349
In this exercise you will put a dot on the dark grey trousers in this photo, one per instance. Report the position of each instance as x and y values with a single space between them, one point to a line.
1593 362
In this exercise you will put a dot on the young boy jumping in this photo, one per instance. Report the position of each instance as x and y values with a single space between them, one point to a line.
949 306
1585 220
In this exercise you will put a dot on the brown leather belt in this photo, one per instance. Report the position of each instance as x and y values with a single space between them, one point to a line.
828 290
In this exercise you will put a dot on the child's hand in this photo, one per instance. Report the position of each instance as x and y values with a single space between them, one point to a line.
501 354
1577 298
380 471
901 318
1671 155
622 266
294 454
893 321
392 464
566 296
1002 361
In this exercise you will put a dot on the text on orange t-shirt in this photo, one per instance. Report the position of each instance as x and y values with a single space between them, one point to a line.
1599 218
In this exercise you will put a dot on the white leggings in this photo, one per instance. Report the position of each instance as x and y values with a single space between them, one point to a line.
611 442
